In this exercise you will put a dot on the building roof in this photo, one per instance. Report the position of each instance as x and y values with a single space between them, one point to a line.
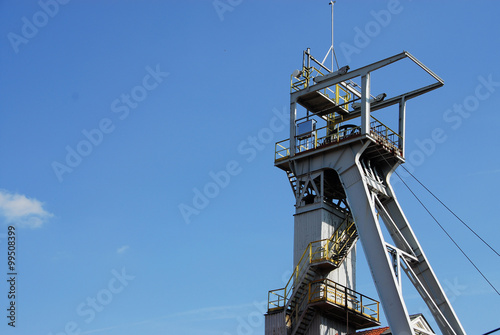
376 331
420 324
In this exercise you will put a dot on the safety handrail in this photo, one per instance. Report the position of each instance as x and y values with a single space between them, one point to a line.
304 80
340 94
316 251
281 151
327 135
321 136
334 134
384 132
328 290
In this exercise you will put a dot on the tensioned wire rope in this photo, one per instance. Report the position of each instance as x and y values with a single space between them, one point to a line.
491 332
446 232
442 228
452 212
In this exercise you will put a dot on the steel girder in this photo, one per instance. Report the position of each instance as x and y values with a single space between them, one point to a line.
385 260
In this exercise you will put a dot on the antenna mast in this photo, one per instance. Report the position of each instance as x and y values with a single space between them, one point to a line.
332 49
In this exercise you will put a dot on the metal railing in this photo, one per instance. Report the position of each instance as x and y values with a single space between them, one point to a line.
338 93
317 251
317 138
327 290
327 135
337 244
281 151
335 133
386 134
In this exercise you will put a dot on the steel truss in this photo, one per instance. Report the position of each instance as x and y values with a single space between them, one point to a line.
357 166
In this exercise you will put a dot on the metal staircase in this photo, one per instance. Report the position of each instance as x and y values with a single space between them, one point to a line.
346 238
293 181
319 257
305 319
301 314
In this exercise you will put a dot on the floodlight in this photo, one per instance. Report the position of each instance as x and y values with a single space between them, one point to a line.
343 70
378 98
297 74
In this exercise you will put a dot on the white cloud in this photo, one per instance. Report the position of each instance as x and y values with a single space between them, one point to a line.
23 211
122 249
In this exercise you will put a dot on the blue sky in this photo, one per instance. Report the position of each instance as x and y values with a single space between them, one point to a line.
116 114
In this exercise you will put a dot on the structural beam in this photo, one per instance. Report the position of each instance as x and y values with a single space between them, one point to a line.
444 314
365 104
402 124
381 266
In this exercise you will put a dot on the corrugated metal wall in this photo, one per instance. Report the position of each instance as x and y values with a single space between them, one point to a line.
308 227
346 273
321 325
316 224
275 324
319 224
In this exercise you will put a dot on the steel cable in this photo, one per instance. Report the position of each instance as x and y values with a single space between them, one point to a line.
479 237
447 234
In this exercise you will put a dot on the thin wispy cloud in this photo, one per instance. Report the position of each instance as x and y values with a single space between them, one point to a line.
214 313
21 210
484 172
195 315
122 249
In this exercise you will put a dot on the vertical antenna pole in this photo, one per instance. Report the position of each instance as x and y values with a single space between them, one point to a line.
332 3
332 49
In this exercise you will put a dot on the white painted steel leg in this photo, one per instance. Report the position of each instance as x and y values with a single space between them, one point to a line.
442 322
293 116
423 271
370 234
365 105
364 204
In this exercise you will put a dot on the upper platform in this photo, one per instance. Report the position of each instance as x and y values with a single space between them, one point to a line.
385 143
338 110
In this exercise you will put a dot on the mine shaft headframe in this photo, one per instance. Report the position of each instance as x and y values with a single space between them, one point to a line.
311 88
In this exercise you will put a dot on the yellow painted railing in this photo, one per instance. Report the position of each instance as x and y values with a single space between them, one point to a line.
327 290
297 84
338 93
317 251
341 96
304 80
281 150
